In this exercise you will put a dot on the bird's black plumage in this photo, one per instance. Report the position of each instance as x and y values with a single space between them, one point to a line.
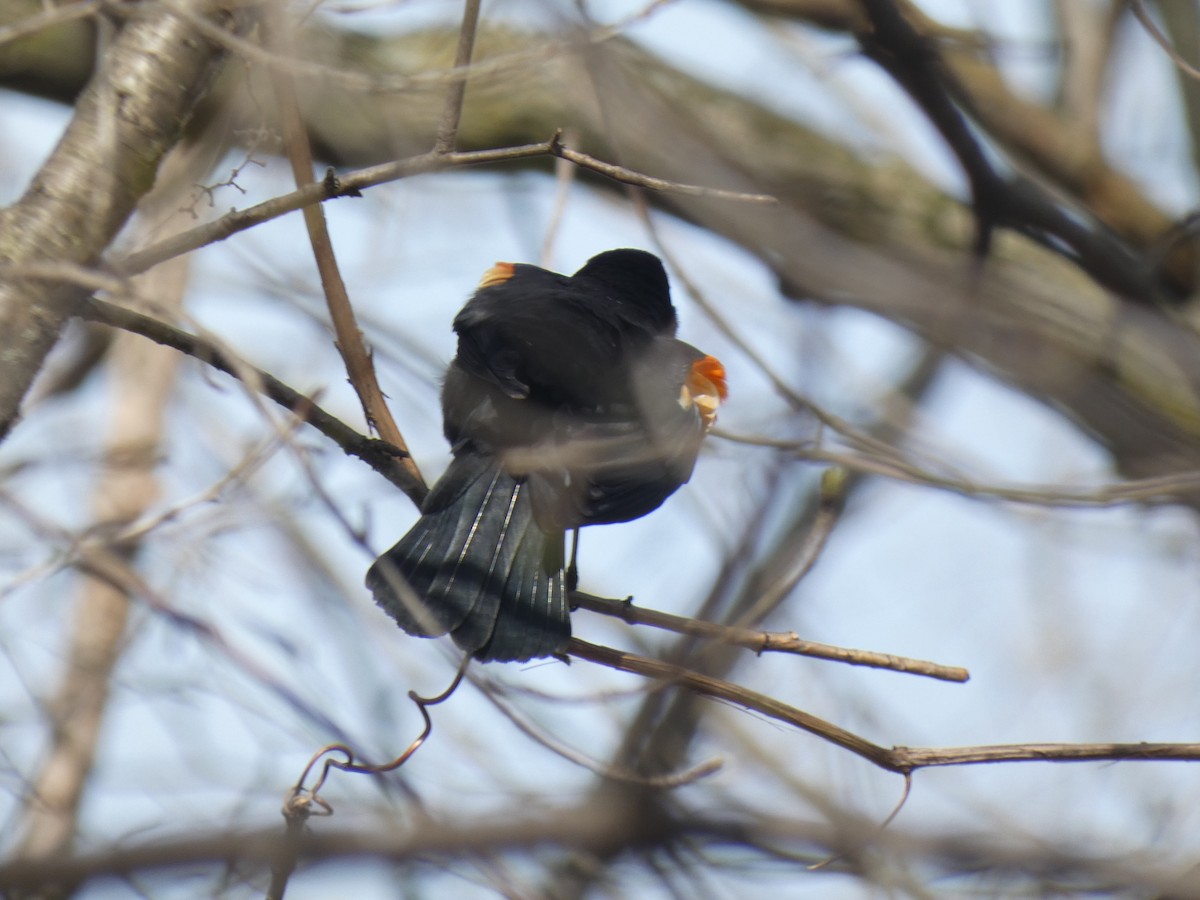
570 402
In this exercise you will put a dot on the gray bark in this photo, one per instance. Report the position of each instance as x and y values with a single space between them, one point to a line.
133 110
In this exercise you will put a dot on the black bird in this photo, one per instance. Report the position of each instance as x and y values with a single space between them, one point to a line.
570 403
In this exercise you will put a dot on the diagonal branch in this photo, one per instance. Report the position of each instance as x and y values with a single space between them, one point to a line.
902 760
765 641
379 455
999 200
452 112
349 339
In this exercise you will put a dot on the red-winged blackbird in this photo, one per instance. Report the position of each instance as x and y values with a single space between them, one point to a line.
570 403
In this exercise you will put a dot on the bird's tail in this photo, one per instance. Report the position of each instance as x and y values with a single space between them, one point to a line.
477 566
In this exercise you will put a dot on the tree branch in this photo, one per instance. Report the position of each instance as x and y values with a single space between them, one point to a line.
128 117
447 133
360 367
379 455
1011 201
352 184
902 760
765 641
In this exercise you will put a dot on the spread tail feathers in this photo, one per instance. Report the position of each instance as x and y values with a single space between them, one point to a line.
477 566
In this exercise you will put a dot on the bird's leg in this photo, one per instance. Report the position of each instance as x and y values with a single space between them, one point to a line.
572 569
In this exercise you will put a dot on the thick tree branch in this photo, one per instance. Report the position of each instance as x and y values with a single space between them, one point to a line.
846 838
1064 149
128 117
999 200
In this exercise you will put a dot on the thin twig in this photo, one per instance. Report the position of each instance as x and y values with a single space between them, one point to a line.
495 694
911 758
732 693
830 503
766 641
349 340
351 184
564 178
302 802
379 455
447 133
628 176
252 460
1143 16
856 436
896 759
1161 489
891 817
307 801
95 559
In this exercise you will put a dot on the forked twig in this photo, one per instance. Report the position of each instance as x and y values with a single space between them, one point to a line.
902 760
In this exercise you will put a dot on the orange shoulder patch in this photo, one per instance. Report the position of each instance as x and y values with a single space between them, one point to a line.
711 369
704 389
497 274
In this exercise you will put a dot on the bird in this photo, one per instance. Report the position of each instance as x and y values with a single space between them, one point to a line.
569 403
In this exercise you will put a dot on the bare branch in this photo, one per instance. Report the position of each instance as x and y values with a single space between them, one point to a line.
897 759
452 112
100 168
379 455
353 183
766 641
1158 490
348 185
628 176
1152 29
591 827
349 342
